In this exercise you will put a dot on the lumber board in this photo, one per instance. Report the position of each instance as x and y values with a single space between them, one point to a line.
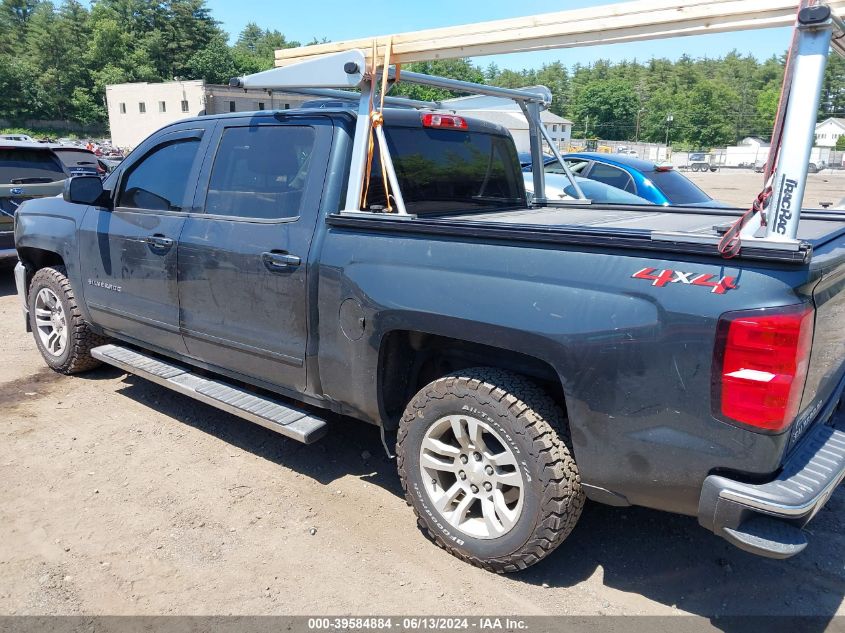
607 24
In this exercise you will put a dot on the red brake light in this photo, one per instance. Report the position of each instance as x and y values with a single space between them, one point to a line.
664 168
444 121
761 365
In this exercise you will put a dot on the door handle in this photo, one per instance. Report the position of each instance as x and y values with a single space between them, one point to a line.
159 241
280 261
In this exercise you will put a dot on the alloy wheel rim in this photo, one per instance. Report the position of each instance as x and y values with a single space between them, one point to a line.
472 476
51 322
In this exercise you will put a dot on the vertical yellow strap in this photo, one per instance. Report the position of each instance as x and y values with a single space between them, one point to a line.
370 140
382 156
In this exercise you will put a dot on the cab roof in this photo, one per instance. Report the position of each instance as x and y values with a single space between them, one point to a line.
401 117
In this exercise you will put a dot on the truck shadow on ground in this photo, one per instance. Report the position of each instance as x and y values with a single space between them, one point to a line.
666 558
7 281
672 560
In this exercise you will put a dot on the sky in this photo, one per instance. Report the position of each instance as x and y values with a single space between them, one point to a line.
342 19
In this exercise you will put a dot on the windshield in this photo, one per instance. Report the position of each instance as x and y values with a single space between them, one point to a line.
447 170
76 158
677 189
21 166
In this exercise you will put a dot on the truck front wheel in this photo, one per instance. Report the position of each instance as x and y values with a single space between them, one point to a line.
485 460
62 336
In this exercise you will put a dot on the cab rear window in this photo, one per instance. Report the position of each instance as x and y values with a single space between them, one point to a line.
77 158
447 171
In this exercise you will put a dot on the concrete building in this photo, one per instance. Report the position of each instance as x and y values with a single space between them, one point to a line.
136 110
506 113
829 131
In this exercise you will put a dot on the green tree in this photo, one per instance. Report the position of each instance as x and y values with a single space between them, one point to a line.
215 63
461 69
767 106
705 118
257 47
14 21
607 108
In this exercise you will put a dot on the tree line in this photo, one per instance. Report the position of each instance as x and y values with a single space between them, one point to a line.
56 60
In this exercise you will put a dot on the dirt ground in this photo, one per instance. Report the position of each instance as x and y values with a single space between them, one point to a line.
740 186
119 497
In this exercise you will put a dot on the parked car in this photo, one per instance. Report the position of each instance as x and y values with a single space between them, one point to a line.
655 182
27 170
21 138
525 364
78 161
108 164
558 186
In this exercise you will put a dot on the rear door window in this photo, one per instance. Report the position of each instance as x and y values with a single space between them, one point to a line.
612 176
22 166
576 166
160 180
260 172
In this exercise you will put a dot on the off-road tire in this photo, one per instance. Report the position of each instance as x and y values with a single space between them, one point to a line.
537 426
77 354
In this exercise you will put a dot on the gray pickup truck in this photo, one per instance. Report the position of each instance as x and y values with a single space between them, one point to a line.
529 357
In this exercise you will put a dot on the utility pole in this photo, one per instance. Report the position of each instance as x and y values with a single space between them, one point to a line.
637 134
669 118
586 127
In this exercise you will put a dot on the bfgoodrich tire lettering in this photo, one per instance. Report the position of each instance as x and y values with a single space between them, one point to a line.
75 355
532 428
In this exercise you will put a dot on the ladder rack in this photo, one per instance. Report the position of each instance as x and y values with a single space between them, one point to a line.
344 70
606 24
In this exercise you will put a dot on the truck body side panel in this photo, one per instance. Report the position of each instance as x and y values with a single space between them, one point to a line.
827 360
634 358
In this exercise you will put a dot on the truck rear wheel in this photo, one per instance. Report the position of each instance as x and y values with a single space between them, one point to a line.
63 338
486 462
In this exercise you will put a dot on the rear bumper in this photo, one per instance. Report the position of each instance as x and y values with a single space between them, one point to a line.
767 518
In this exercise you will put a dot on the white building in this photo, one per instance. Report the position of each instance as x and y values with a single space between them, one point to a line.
506 113
829 131
136 110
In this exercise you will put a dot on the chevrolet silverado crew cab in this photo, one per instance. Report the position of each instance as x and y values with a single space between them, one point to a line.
529 357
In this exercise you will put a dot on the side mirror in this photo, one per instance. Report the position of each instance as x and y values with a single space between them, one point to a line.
84 190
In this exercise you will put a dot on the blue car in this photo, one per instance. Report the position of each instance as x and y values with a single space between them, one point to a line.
659 184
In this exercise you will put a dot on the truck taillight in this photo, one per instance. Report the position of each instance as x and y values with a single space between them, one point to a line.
444 121
761 365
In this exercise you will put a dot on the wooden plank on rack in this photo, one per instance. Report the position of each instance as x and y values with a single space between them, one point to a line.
606 24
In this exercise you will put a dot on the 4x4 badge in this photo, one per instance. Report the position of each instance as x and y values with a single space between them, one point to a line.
665 277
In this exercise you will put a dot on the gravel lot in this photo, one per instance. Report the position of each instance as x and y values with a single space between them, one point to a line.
119 497
740 186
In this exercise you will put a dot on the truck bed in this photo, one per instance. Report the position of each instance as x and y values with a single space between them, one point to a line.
688 230
816 226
